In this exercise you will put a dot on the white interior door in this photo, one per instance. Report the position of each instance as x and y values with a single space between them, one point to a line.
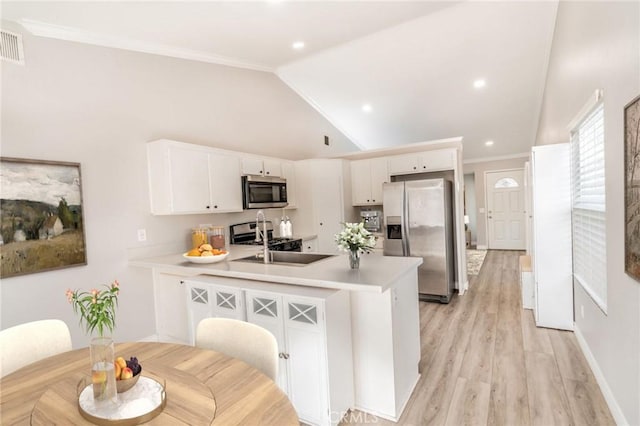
505 209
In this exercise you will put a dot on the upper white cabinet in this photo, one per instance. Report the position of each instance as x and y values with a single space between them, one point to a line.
226 183
261 167
192 179
289 174
367 177
325 202
427 161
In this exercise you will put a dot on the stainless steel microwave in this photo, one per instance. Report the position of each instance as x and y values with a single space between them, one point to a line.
262 192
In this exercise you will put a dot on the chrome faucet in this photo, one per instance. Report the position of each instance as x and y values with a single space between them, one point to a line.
265 247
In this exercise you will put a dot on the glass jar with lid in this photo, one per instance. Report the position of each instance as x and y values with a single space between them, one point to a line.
217 237
198 237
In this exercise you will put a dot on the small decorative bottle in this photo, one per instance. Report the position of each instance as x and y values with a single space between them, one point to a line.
288 228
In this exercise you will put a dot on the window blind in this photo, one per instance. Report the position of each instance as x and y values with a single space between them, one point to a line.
589 205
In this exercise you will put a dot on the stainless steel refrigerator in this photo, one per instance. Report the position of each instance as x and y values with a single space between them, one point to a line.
419 223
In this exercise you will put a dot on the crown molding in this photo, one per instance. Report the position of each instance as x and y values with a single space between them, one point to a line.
498 158
59 32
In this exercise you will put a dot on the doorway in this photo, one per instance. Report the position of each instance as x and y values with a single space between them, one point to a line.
505 209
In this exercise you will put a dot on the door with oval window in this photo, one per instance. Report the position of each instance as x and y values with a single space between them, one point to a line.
505 209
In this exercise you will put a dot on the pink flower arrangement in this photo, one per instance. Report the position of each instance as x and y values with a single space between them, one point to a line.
97 308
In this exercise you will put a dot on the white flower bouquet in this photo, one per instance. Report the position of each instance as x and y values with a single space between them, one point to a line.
354 238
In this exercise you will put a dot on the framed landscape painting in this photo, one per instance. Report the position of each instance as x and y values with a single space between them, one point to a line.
41 220
632 188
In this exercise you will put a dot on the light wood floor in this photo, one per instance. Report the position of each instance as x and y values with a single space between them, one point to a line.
484 362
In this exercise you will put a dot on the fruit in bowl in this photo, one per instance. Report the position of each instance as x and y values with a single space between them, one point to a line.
205 253
205 250
127 373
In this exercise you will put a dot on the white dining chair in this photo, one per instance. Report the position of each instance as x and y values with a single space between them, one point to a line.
30 342
238 339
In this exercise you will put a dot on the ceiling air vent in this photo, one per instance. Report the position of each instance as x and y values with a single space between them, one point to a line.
11 47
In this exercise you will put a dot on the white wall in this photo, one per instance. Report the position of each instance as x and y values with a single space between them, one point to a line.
597 46
98 106
479 168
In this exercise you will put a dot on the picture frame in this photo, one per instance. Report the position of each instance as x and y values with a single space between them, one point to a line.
632 188
41 216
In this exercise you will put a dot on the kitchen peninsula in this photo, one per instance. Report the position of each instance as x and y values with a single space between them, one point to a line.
368 321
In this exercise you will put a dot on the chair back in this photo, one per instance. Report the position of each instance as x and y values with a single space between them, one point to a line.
238 339
30 342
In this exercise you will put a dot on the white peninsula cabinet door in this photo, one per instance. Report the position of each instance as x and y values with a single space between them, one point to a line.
265 309
198 307
312 327
315 369
171 308
212 301
306 356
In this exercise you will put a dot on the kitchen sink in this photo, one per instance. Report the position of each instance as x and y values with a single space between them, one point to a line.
287 258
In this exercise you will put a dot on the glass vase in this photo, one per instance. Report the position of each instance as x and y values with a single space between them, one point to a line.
354 259
103 374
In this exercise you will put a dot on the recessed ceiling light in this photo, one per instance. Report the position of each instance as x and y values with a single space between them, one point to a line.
298 45
479 84
367 108
489 143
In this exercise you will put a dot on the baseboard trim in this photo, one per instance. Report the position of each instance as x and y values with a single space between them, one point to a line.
152 338
615 409
482 248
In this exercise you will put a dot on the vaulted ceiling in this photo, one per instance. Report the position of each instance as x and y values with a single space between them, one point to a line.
384 73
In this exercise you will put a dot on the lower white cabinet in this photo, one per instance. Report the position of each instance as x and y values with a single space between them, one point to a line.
171 310
212 301
313 331
310 246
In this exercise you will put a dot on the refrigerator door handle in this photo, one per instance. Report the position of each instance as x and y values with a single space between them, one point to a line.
405 224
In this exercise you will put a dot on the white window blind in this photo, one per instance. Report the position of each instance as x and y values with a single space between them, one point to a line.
589 207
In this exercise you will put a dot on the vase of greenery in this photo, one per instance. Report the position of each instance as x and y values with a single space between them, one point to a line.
97 310
355 239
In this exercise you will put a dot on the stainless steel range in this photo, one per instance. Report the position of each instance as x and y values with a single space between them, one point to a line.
245 233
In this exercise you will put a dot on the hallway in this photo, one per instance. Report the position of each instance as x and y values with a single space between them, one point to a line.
484 362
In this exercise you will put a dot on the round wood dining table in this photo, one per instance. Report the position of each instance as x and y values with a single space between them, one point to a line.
202 387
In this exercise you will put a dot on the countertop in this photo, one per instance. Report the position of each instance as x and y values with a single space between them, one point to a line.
376 274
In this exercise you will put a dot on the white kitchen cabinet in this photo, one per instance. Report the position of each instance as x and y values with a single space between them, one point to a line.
289 174
170 308
552 252
192 179
325 202
226 183
312 328
199 307
300 326
427 161
310 246
212 301
367 177
261 167
265 309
